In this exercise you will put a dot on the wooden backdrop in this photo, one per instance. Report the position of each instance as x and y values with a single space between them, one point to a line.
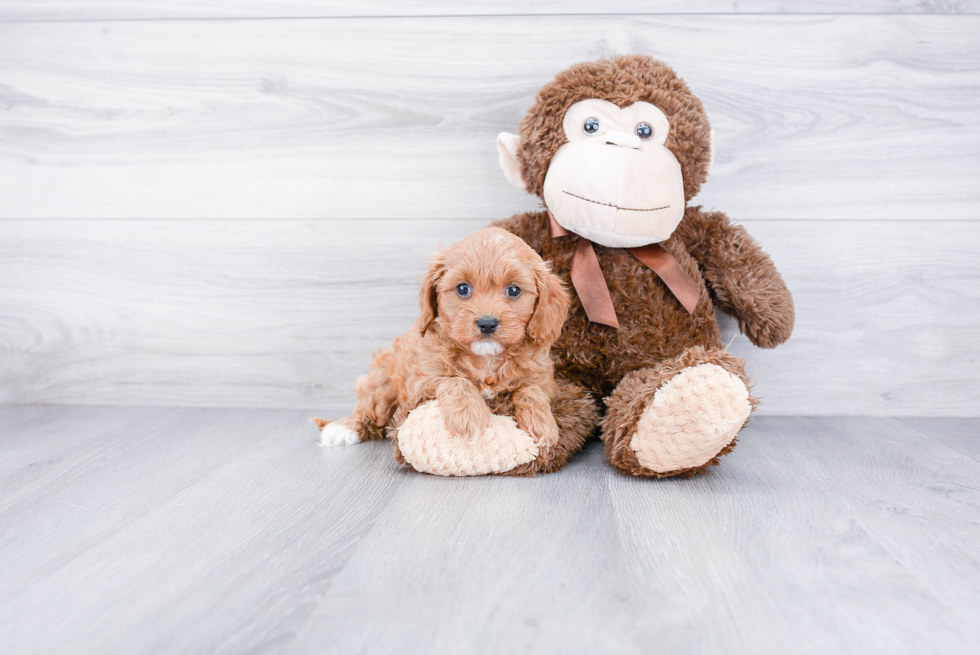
232 204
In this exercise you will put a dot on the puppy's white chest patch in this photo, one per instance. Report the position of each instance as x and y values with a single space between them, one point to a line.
486 348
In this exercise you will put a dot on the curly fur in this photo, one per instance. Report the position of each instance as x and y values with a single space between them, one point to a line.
437 359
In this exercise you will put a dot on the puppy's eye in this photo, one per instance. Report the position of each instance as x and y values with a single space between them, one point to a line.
513 291
644 131
591 125
464 290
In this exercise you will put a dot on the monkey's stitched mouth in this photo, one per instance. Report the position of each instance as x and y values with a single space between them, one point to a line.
609 204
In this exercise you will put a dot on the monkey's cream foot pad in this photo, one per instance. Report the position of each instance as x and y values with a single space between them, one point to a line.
691 418
429 447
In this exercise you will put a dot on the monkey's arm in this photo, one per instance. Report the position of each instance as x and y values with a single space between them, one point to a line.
742 278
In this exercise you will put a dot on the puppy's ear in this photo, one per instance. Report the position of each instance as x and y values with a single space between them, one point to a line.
551 310
429 295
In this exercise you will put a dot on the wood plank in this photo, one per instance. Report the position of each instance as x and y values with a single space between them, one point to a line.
823 117
22 10
41 443
484 565
94 482
286 313
233 531
906 485
961 435
918 481
814 536
203 530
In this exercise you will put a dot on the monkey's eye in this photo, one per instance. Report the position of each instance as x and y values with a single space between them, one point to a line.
513 291
644 131
591 125
464 290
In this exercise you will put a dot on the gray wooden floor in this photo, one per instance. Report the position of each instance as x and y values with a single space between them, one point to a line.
204 530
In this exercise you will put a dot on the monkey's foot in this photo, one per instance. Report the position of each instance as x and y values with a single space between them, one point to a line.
424 443
690 420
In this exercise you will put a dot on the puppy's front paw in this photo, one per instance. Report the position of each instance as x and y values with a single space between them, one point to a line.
534 417
469 421
546 433
542 428
338 434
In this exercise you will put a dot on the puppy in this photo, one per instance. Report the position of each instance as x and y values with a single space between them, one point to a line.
490 310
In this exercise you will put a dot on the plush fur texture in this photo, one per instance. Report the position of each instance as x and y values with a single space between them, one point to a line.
574 409
678 431
628 405
470 374
426 445
658 338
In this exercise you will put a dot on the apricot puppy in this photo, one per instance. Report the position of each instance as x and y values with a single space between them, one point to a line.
490 310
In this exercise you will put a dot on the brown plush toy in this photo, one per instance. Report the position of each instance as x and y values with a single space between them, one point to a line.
615 149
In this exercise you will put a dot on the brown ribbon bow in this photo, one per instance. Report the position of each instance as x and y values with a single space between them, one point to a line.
591 286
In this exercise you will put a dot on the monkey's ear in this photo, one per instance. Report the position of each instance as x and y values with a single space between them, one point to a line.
507 148
545 325
429 294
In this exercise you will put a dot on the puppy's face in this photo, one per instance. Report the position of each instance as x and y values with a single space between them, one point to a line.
486 305
490 292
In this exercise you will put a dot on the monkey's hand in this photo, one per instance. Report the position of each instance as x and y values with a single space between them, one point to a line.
743 280
464 412
532 411
768 319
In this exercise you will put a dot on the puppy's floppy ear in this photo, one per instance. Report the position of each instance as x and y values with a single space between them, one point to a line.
551 310
429 294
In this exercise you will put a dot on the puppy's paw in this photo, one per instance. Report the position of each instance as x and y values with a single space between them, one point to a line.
338 434
545 432
539 423
469 421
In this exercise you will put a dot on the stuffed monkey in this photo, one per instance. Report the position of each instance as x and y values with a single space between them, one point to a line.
615 149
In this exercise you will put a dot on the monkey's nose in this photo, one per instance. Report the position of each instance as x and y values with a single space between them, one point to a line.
487 324
617 138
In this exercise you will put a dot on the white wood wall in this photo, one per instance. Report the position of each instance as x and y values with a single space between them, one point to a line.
231 204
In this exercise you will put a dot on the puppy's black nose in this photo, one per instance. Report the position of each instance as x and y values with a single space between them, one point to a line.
487 324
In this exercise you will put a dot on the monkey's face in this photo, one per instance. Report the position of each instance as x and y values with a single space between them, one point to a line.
615 182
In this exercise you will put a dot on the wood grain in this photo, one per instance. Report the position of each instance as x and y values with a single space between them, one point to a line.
286 313
184 9
230 531
310 118
811 512
162 514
